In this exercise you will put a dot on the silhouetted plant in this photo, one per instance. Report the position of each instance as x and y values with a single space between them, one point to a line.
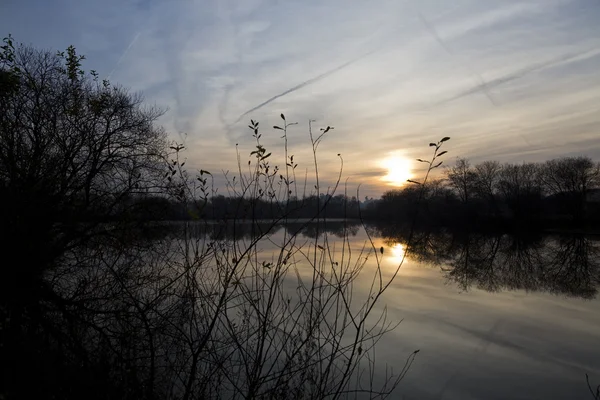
108 304
252 332
595 392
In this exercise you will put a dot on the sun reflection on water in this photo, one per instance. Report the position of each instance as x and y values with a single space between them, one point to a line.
396 253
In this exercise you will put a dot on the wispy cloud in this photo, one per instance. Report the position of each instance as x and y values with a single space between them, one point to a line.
303 84
520 73
507 79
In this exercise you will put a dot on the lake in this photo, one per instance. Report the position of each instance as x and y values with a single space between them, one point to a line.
494 316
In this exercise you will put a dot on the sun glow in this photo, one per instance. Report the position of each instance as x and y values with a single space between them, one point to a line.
397 250
398 170
396 253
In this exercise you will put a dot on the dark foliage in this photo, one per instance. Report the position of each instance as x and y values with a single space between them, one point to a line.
75 154
558 193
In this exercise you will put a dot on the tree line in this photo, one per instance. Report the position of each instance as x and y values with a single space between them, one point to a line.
561 191
220 207
558 191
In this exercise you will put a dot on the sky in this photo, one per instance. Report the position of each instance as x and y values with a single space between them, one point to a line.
507 80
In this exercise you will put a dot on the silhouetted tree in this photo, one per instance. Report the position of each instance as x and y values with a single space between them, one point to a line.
74 152
462 179
569 179
486 184
520 190
75 156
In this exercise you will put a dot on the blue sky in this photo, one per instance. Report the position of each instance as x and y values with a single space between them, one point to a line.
507 80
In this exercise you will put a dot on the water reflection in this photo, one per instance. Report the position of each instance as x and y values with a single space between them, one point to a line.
240 230
559 264
397 253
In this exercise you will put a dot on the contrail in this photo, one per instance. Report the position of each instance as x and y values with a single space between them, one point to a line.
482 84
520 73
303 84
124 54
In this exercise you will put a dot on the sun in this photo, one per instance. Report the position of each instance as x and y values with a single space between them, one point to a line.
398 170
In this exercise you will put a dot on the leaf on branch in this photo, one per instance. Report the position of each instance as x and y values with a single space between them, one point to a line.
445 139
282 116
277 127
411 181
421 160
442 153
432 144
438 164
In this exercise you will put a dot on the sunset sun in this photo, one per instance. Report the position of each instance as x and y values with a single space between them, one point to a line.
398 170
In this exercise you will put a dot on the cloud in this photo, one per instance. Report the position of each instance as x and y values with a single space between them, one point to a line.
497 76
303 84
520 73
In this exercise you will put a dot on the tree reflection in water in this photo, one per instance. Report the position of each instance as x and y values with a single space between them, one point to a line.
560 264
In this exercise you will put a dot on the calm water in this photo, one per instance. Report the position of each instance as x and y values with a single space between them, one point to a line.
494 317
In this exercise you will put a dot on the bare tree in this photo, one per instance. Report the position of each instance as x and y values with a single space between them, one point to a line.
486 182
73 153
462 178
520 189
571 178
